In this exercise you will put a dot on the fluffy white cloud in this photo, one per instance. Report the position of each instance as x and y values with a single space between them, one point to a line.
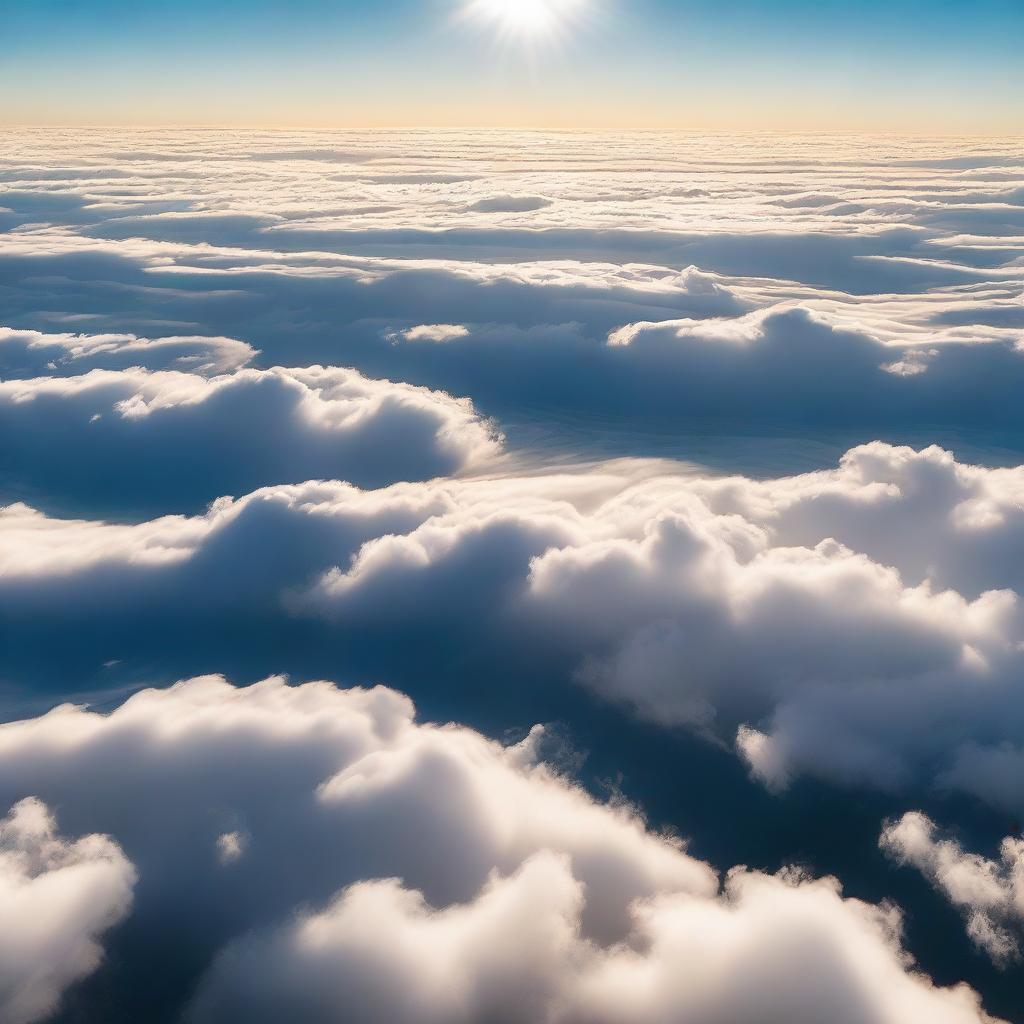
712 621
433 332
168 440
921 511
769 948
357 773
989 892
57 899
396 871
691 600
804 364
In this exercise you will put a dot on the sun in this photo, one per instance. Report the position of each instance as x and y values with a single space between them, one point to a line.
526 18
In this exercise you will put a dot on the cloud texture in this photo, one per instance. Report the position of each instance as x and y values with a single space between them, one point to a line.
990 893
57 900
852 293
446 877
188 438
707 450
799 617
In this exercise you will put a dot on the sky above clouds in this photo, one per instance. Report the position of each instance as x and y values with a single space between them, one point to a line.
944 66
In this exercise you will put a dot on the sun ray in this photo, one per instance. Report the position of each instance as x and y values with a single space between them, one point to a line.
527 19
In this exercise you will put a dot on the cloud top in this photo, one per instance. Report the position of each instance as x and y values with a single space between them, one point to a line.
408 872
58 898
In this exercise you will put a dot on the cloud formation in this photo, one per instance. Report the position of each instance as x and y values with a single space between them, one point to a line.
162 441
438 333
515 954
724 605
57 900
230 442
411 872
990 893
878 293
921 511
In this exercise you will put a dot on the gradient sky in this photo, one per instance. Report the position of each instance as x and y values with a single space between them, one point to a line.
939 66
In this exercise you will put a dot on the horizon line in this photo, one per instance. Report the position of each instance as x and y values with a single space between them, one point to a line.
538 129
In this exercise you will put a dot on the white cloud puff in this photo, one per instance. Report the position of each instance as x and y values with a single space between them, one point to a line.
921 511
713 620
57 899
990 893
826 362
437 333
770 948
396 871
167 440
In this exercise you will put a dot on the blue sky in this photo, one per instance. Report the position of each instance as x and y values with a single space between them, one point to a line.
789 64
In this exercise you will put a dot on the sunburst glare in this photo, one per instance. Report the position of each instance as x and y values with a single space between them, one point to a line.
527 19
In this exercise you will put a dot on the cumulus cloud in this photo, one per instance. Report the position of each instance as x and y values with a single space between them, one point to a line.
722 605
434 332
792 366
771 948
407 872
330 787
713 621
166 440
58 898
990 893
921 511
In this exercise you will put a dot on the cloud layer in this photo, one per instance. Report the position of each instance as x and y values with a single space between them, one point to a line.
707 450
26 354
852 294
